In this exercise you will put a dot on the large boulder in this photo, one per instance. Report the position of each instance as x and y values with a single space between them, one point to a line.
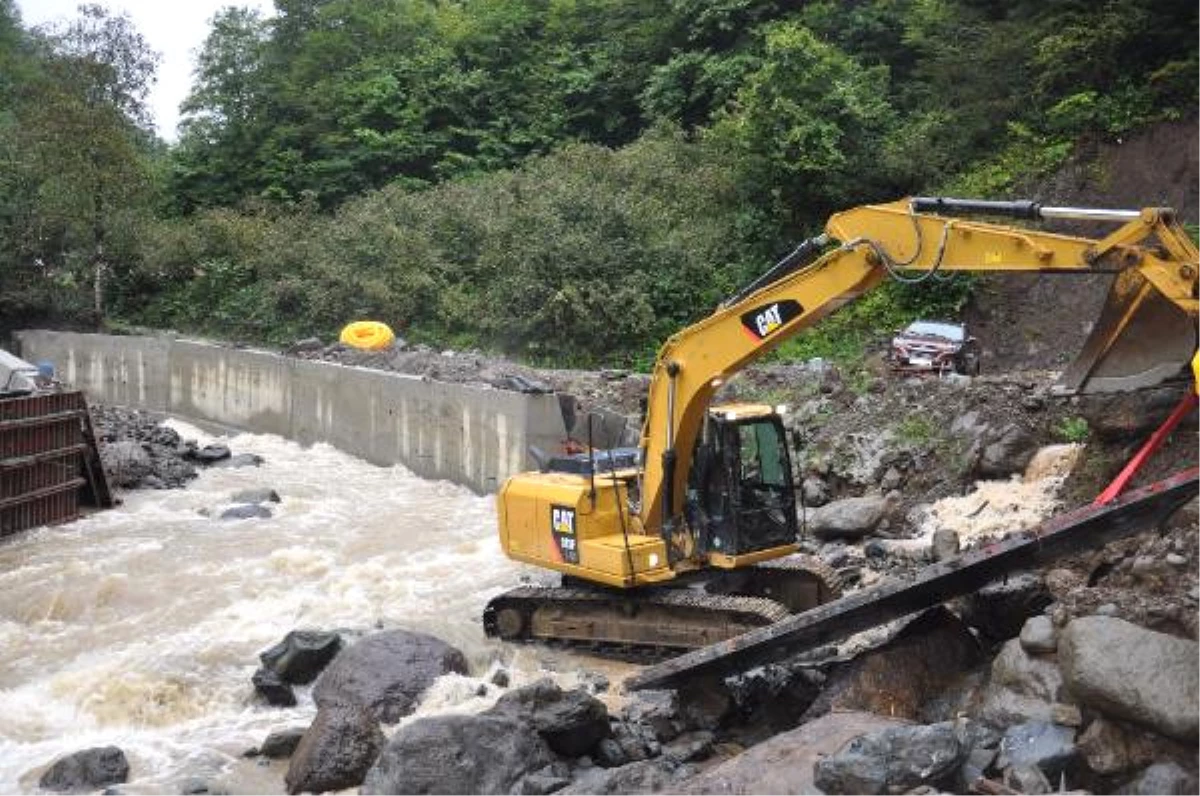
850 518
126 463
1027 674
271 687
1132 673
1022 688
1160 779
893 760
571 722
915 675
1004 452
487 753
387 672
646 776
336 751
86 770
1109 747
301 656
282 743
784 763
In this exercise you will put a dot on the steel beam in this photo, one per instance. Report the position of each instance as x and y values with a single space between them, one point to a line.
1081 529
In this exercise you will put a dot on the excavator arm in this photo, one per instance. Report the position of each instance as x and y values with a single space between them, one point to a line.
1154 261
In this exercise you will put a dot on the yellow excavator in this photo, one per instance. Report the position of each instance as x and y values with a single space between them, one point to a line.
692 537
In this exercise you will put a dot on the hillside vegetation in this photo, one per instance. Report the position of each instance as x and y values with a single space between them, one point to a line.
558 180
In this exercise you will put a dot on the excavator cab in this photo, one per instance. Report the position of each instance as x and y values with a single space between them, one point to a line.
740 497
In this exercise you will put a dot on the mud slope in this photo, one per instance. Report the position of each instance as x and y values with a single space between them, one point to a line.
1039 322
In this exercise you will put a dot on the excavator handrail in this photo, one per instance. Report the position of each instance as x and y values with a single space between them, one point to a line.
875 241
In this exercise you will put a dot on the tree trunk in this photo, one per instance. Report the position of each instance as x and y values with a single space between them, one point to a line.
98 265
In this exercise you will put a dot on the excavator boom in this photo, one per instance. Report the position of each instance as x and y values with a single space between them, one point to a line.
1152 258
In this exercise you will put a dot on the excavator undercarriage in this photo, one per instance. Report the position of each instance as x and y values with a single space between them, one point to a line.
655 622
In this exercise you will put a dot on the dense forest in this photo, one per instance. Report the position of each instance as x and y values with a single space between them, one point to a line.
565 181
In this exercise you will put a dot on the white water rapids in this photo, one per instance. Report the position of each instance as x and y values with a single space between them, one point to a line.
140 627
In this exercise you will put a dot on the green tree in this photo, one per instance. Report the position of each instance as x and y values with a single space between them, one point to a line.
223 114
83 147
811 121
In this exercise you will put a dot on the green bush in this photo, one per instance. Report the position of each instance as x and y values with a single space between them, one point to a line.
1073 429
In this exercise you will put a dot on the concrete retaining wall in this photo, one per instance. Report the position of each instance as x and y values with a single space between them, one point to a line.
473 436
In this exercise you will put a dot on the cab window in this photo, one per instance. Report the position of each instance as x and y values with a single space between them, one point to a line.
761 454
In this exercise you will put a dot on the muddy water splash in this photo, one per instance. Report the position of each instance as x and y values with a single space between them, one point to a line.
995 509
140 627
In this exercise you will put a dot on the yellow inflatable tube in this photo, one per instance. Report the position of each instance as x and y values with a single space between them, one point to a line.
367 335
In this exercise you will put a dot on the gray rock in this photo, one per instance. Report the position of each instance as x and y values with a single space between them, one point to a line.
1132 673
1026 674
199 785
126 463
571 722
658 712
1003 707
211 454
260 495
610 754
645 776
944 544
704 704
281 743
690 746
336 750
500 678
1038 635
1050 747
1109 748
784 763
249 511
487 753
892 479
814 491
1161 778
272 689
1027 779
976 765
89 769
1006 451
892 760
851 518
968 425
240 460
301 656
387 672
999 609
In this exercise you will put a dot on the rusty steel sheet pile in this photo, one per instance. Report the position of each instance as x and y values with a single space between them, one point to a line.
48 460
1087 527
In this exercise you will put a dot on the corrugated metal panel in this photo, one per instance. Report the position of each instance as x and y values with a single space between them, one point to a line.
43 450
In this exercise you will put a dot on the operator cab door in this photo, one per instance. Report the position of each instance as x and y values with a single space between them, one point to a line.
740 496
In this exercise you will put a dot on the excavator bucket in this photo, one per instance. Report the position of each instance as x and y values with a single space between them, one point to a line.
1139 340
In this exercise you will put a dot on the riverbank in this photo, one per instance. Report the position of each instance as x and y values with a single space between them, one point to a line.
921 465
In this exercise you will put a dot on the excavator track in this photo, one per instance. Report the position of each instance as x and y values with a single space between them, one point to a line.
638 626
799 582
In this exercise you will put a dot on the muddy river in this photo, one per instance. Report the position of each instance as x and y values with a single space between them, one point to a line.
140 627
